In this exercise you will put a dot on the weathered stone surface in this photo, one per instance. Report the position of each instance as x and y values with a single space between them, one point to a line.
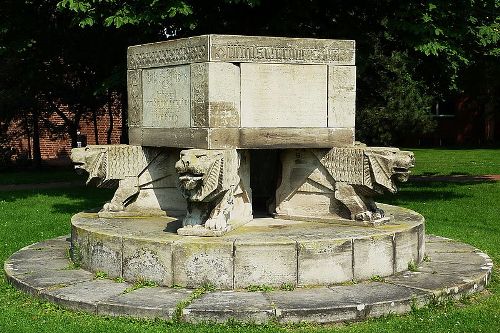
135 103
84 296
374 299
216 185
341 96
230 305
254 264
166 97
449 284
215 95
240 49
325 258
200 261
76 289
36 281
373 256
145 177
323 262
283 95
144 303
340 182
148 260
105 254
406 247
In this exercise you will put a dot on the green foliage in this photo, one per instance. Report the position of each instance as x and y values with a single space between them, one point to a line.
392 104
140 283
377 278
99 275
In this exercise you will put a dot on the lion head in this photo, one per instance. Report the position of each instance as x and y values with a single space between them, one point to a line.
205 173
389 165
90 159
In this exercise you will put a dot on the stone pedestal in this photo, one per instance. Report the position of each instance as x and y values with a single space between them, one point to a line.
265 251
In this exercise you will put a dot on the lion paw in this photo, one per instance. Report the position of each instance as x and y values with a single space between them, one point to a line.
370 216
218 223
113 207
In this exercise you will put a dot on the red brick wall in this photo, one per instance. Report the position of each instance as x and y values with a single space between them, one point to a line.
55 148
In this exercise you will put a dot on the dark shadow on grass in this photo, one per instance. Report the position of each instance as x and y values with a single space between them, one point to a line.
83 198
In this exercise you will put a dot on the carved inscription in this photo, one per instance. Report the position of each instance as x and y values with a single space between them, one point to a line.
166 97
249 53
227 48
199 94
134 98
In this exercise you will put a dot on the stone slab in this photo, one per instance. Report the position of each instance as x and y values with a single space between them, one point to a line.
283 95
373 256
166 97
230 305
144 303
246 138
341 96
324 262
198 261
35 282
147 260
241 49
77 289
406 249
270 263
85 296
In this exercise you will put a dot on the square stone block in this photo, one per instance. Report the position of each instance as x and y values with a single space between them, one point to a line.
147 260
166 97
197 261
281 95
341 109
261 263
105 254
215 95
373 256
324 262
407 249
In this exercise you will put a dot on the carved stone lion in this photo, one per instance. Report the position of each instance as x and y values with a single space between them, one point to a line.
340 182
145 177
215 193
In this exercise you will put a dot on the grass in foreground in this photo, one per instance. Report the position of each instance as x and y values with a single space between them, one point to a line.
465 211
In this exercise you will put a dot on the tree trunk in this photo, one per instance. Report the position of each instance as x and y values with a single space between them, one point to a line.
110 113
124 107
96 130
37 155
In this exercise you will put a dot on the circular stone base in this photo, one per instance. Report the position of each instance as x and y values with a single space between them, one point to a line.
265 252
454 269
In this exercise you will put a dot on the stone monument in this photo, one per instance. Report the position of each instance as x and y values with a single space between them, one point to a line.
243 171
199 109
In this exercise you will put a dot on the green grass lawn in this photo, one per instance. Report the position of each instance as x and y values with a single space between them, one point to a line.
469 212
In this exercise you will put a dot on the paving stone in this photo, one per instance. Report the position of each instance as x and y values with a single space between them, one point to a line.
19 267
225 305
448 247
39 254
37 281
319 305
440 285
85 296
144 303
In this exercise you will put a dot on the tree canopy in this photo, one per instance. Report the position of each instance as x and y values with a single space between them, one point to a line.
409 54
